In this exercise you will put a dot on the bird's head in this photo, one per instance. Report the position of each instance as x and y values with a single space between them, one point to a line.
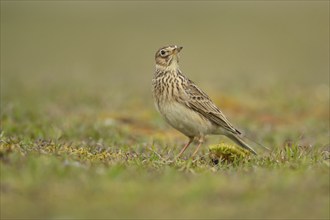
168 56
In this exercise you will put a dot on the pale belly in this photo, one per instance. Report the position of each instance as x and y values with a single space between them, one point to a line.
185 120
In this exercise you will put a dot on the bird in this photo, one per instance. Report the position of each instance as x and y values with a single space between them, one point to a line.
185 106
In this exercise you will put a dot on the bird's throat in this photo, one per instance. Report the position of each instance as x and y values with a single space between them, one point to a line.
173 64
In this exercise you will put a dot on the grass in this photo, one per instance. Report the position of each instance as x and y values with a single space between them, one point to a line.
54 179
80 137
65 165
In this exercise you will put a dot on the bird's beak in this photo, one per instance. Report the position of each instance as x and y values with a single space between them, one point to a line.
177 49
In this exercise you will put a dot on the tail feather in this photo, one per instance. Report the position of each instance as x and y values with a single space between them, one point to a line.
241 143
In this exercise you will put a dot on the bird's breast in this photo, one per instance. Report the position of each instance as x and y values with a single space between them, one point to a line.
166 88
184 119
169 96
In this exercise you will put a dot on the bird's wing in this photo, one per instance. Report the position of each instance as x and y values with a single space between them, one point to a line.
199 101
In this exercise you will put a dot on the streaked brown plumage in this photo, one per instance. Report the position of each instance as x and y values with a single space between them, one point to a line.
186 107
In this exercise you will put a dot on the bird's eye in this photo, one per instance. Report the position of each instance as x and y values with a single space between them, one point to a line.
162 52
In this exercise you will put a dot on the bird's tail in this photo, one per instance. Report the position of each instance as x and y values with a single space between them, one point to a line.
241 143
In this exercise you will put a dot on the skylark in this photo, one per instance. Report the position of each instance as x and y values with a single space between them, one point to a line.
186 107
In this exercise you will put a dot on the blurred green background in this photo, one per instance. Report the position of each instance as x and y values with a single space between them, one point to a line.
109 46
79 73
265 63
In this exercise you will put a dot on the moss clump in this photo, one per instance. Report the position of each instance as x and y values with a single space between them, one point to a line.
226 152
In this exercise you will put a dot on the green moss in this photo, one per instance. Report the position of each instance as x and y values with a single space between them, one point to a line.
226 152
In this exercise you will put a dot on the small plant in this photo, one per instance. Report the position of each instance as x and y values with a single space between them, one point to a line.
227 153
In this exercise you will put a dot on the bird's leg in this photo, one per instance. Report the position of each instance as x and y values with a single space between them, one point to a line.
201 140
185 147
